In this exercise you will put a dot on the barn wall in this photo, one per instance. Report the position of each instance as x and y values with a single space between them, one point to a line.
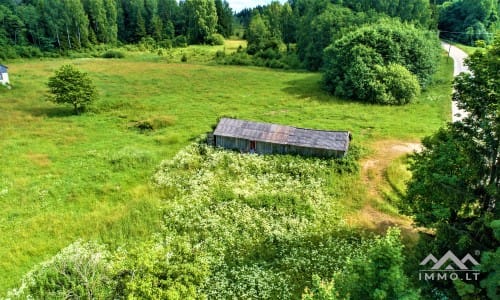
270 148
314 152
231 143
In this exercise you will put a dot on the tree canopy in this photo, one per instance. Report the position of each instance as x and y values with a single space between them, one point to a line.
381 63
28 27
455 183
72 86
467 21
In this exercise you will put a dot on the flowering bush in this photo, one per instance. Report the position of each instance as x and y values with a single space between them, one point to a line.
268 223
80 271
235 226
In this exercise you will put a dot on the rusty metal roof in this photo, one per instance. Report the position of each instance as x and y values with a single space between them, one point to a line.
284 135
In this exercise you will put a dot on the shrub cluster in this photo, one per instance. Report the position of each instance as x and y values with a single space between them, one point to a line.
113 54
268 58
215 39
11 52
385 63
235 226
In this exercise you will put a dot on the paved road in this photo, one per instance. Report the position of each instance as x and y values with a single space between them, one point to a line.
459 67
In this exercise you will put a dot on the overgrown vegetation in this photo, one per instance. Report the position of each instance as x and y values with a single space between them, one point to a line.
235 225
86 176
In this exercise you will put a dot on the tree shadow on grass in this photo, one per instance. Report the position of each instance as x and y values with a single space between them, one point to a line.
310 88
51 112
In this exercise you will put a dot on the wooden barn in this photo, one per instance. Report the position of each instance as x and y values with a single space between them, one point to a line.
4 75
266 138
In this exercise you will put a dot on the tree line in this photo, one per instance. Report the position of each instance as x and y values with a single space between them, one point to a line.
51 25
467 21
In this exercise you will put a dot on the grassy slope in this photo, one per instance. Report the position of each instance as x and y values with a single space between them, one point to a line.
66 177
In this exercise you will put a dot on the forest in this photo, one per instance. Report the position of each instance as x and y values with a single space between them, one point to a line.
120 197
33 27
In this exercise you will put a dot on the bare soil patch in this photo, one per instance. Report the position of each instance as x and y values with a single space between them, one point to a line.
373 177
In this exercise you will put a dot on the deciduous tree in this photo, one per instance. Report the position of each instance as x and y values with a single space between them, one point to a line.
455 183
71 86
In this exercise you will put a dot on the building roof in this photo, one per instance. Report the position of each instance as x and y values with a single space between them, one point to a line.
3 69
281 134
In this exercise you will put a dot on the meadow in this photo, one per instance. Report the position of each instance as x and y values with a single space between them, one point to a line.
65 177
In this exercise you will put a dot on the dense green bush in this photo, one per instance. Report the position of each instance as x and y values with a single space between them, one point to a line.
180 41
11 52
380 63
237 58
400 86
167 44
113 54
269 58
215 39
80 271
377 274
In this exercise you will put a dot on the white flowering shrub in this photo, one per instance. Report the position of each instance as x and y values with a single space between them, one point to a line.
168 269
236 226
79 271
267 223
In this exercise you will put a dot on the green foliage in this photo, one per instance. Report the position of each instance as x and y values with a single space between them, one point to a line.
378 274
163 270
215 39
459 164
269 58
71 86
79 271
320 290
490 263
413 11
257 34
180 41
400 86
201 18
224 18
467 21
381 63
320 26
113 54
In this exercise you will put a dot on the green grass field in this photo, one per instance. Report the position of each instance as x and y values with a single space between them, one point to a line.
66 177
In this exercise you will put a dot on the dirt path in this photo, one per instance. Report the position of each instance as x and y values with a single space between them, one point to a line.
374 166
373 177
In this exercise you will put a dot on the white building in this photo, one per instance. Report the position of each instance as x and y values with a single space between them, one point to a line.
4 75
